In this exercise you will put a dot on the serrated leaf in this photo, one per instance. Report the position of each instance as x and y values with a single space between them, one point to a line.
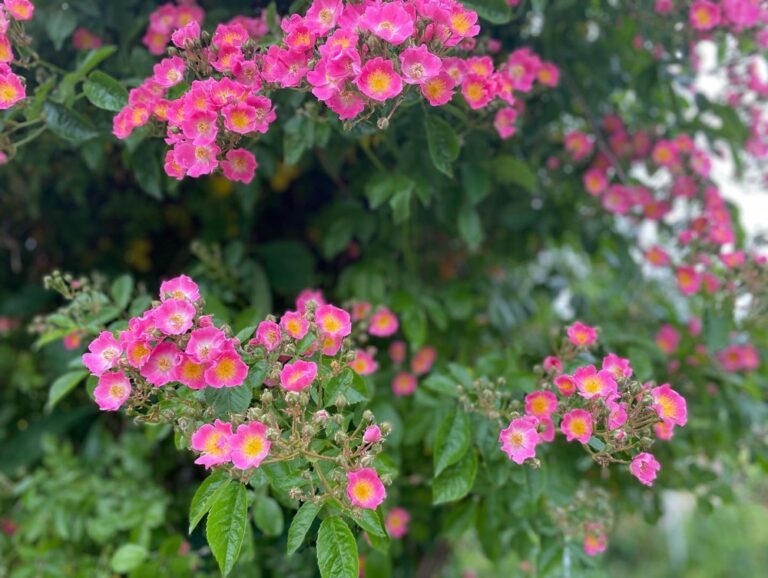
104 92
63 385
205 496
370 521
451 440
455 482
228 400
442 142
268 516
301 524
336 550
227 524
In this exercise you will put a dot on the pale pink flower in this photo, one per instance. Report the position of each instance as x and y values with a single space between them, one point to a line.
112 391
364 489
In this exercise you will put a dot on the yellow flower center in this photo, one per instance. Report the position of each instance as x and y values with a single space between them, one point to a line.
379 81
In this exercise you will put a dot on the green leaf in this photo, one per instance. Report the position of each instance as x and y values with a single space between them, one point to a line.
470 227
301 524
494 11
104 92
227 524
63 385
415 326
228 400
455 482
370 521
384 186
268 516
35 107
299 136
245 334
121 290
442 142
66 89
206 495
348 384
60 24
401 206
68 124
596 444
510 170
145 163
451 440
336 550
127 557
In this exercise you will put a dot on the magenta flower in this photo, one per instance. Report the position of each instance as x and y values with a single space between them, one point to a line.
174 316
378 80
541 404
294 324
364 489
581 335
364 363
520 438
190 372
249 446
418 64
577 425
181 287
397 522
333 321
644 467
591 383
383 323
404 384
298 375
669 405
160 368
112 391
240 166
205 344
104 353
214 442
268 335
390 22
228 370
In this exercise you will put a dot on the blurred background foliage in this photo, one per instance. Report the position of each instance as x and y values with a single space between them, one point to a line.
485 266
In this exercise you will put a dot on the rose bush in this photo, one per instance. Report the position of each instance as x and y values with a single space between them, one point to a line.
377 283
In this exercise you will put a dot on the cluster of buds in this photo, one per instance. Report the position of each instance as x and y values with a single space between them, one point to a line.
359 59
287 390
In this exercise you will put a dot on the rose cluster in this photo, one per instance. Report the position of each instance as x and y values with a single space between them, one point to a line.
707 227
354 57
172 342
157 367
12 88
607 411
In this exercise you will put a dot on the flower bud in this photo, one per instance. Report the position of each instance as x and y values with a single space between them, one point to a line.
367 461
368 415
273 434
267 397
340 401
320 416
383 123
340 437
372 434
